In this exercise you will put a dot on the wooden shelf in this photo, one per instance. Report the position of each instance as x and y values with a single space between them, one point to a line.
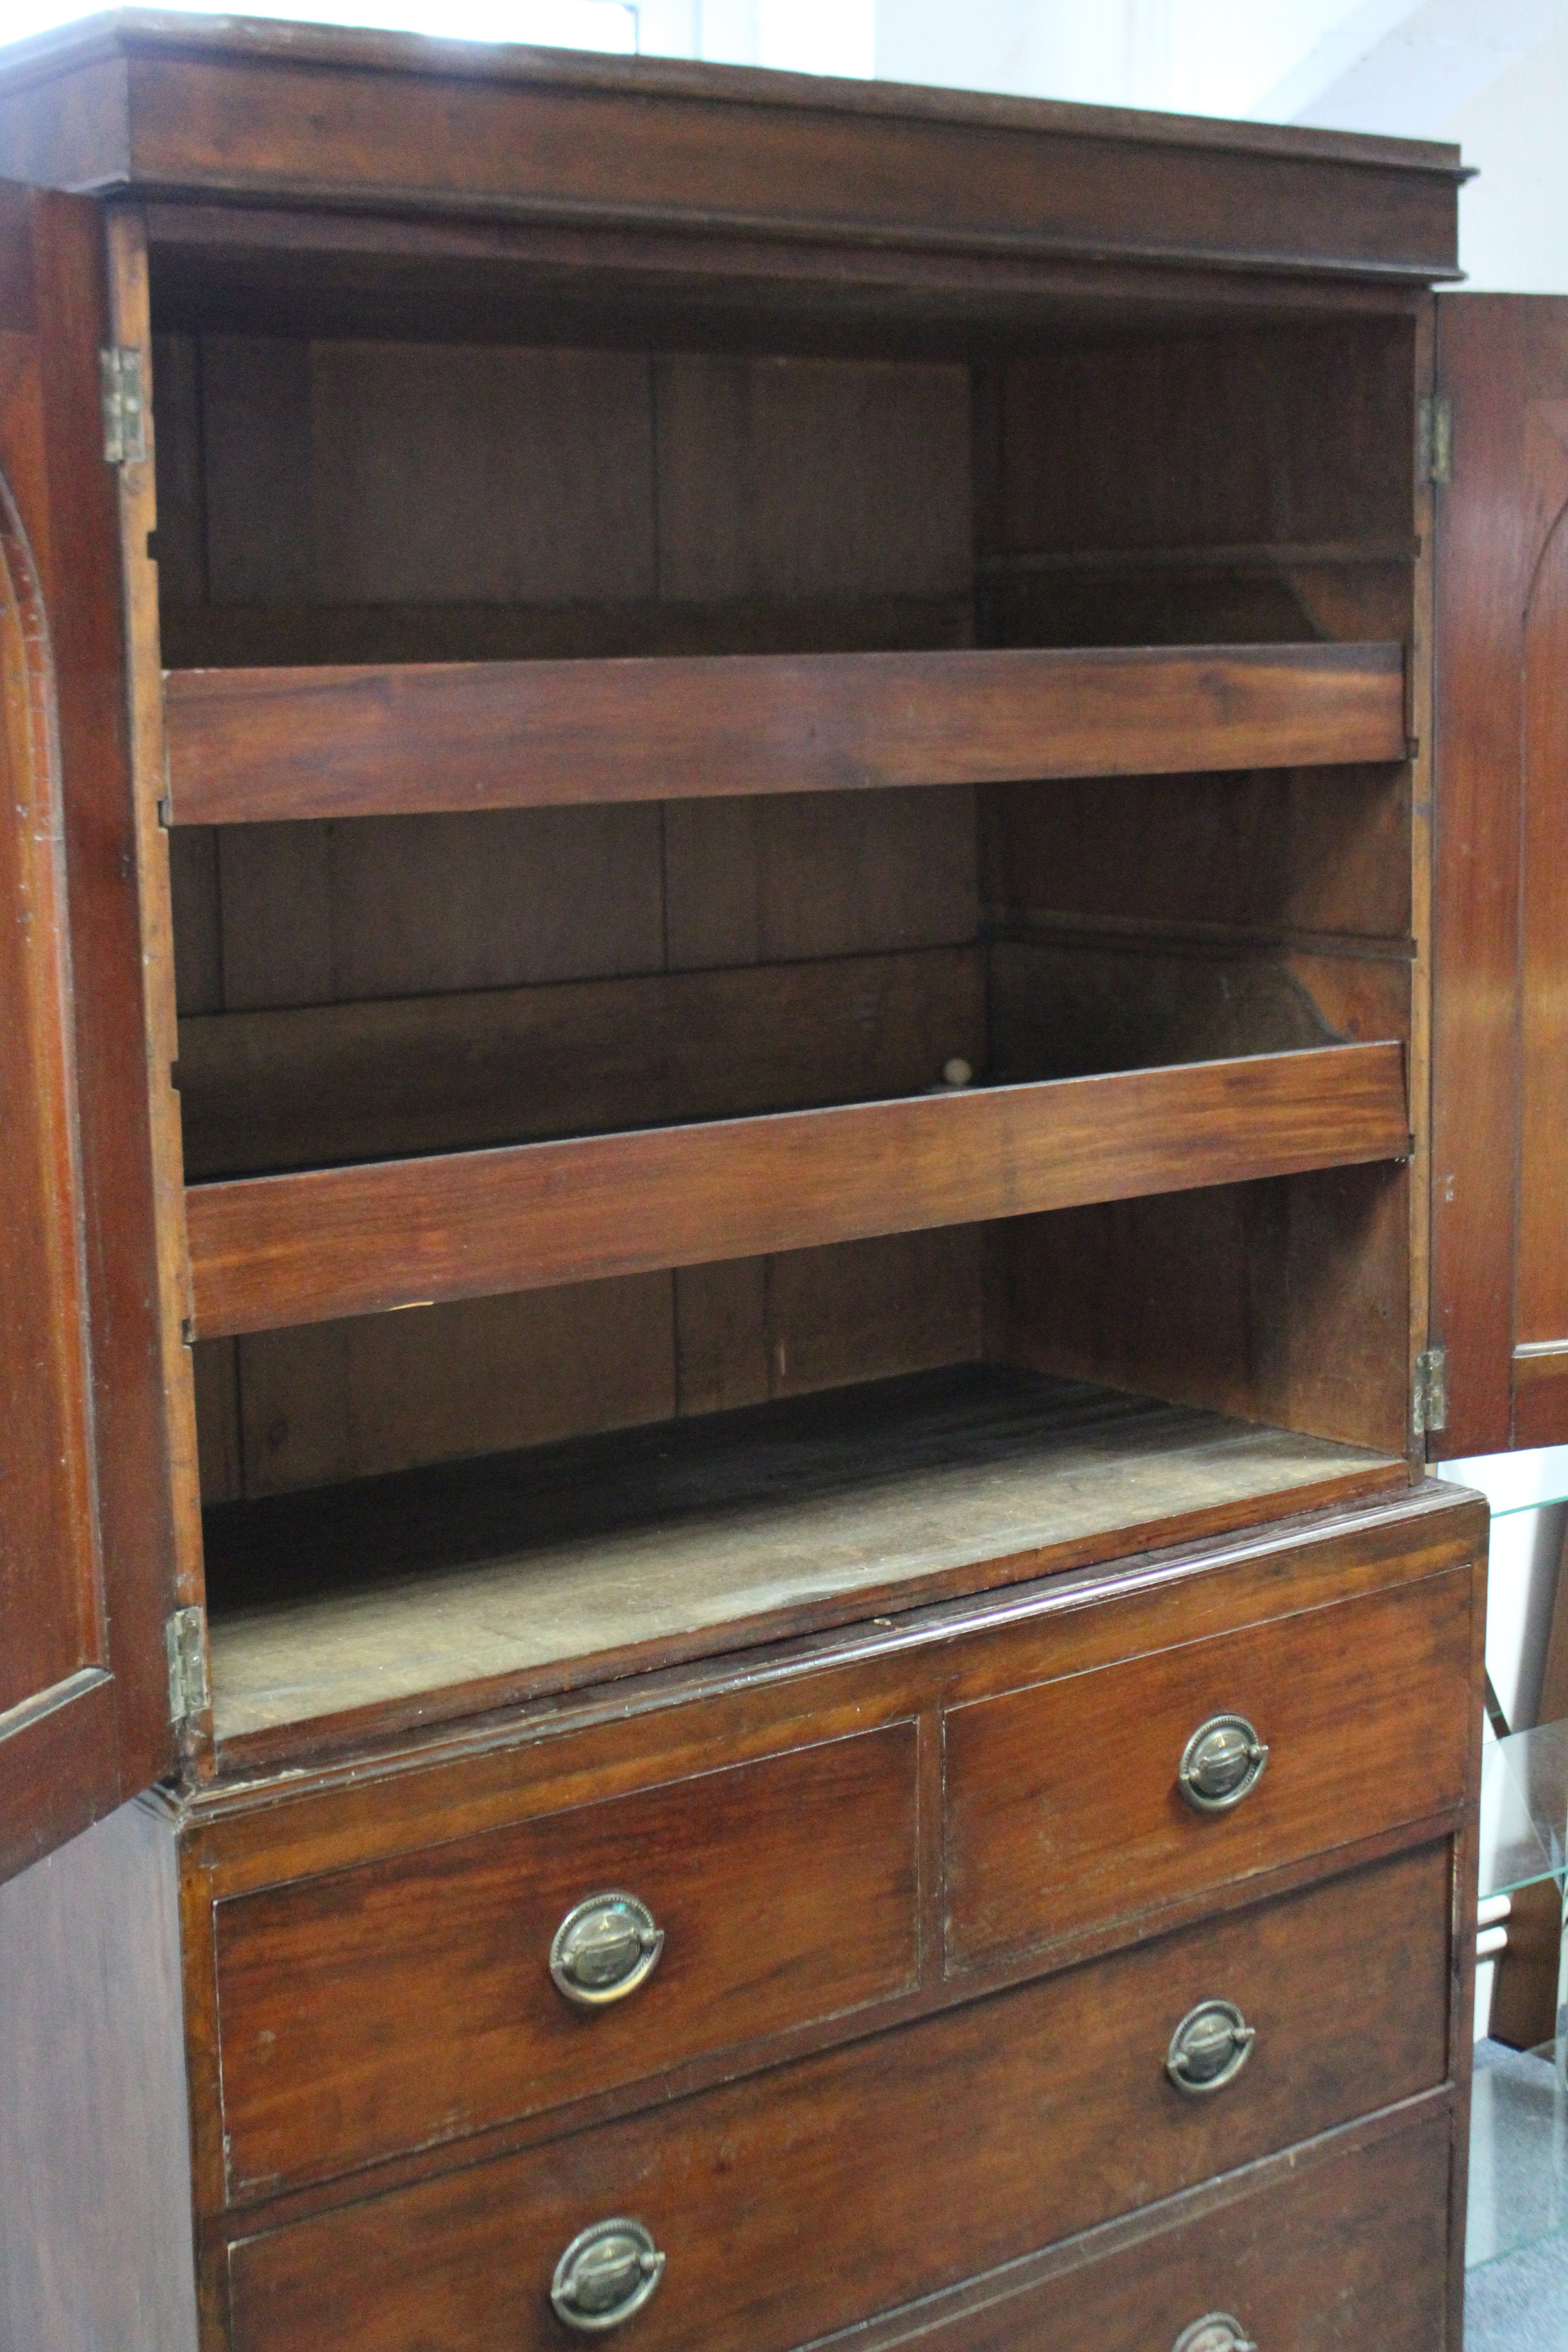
258 745
271 1251
398 1599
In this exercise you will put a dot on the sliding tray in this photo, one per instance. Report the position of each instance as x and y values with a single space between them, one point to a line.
253 745
267 1251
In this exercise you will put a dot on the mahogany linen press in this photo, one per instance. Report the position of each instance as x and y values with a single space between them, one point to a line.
762 1090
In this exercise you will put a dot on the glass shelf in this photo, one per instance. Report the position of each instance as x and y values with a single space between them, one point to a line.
1524 1810
1541 1503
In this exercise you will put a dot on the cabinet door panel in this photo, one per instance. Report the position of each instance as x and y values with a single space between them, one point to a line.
83 1702
1499 1299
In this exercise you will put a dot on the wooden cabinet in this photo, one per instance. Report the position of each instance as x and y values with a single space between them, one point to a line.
721 1142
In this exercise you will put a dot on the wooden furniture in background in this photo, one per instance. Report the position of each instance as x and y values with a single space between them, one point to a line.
746 857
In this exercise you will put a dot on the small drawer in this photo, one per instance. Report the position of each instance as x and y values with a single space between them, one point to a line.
811 2196
385 2007
1065 1807
1366 2271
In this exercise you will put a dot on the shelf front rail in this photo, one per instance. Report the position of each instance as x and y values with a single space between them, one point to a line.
270 1251
249 746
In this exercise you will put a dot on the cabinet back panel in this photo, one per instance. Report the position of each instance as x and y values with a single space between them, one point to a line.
282 1409
447 486
1281 850
1283 436
1201 600
1285 1301
395 907
1199 488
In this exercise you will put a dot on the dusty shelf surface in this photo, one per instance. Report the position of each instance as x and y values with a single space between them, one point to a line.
473 1582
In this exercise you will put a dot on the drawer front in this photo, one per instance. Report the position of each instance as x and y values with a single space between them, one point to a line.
804 2199
1366 2270
1063 1804
382 2007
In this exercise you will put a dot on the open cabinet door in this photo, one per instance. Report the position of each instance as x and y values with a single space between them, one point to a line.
85 1550
1500 1149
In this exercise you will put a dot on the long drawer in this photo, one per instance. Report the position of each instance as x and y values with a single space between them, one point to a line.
379 2009
1364 2240
1065 1805
804 2198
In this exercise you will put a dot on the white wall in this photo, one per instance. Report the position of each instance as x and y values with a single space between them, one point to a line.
1197 57
1514 217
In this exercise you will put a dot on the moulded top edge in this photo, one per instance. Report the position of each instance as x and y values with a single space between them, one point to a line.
154 31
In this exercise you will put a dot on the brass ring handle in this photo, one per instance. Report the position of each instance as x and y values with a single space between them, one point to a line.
1221 1763
604 1949
1216 2331
1209 2048
607 2273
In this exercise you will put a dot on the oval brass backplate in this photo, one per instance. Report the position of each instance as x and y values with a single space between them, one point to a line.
603 1948
607 2273
1221 1763
1209 2048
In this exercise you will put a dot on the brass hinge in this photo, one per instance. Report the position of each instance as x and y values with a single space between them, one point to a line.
1438 438
124 408
185 1639
1431 1408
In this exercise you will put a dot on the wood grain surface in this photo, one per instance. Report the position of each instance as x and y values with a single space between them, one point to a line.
283 1409
131 321
304 1088
1541 1312
560 1566
657 144
95 2235
1486 548
249 746
1039 2113
1499 916
1539 1394
273 1250
395 2006
315 1085
395 1802
85 1540
1361 2212
49 1600
1362 1708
